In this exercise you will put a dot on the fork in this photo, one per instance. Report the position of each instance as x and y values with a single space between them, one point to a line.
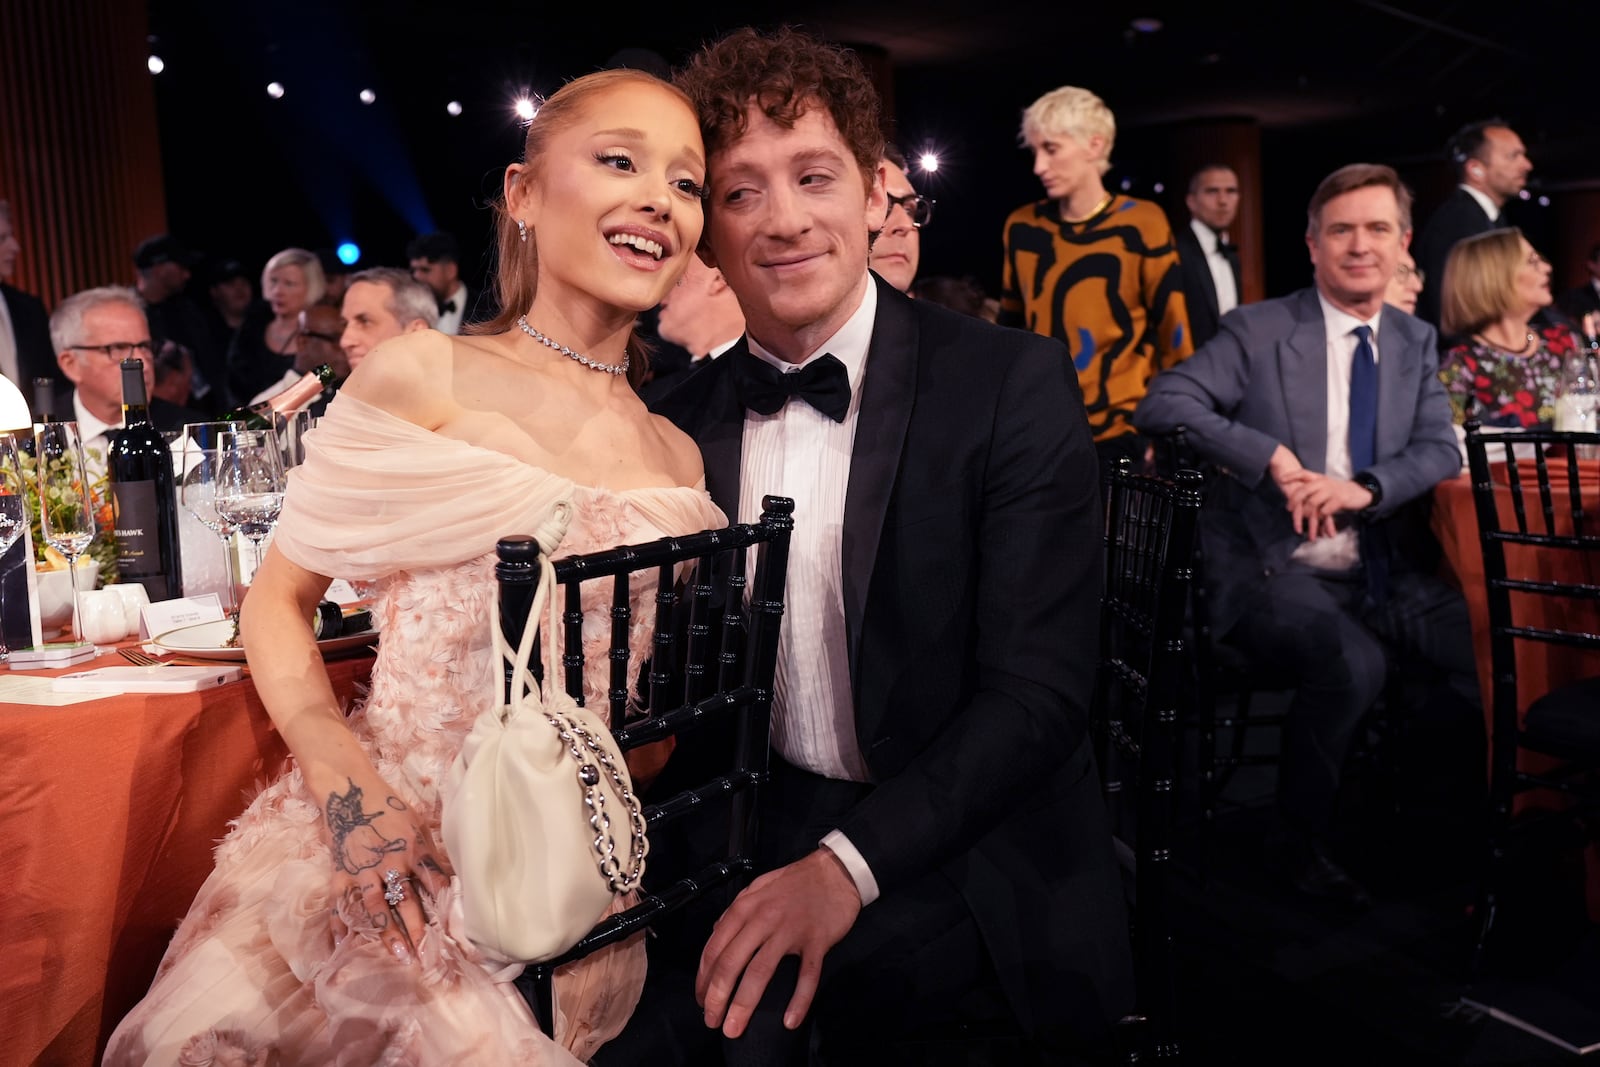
139 656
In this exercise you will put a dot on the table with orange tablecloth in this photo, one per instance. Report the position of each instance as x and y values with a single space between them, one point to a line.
109 811
1541 667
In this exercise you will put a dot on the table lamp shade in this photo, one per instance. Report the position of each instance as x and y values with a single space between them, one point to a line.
14 414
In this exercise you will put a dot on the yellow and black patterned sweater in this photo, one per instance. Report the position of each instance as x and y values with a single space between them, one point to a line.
1110 288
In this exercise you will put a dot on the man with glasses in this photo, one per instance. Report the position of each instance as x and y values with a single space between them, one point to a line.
93 332
1406 285
897 249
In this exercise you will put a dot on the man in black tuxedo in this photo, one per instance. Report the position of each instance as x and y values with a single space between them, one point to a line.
933 836
25 352
1492 166
1210 261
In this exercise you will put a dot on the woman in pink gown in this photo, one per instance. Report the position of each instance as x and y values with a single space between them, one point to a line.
435 449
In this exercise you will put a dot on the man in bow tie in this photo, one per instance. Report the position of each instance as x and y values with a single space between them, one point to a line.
1211 280
933 839
436 262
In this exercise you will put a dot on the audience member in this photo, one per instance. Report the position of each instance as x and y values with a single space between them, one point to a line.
321 328
897 248
230 294
1309 566
962 294
1584 299
698 320
436 262
25 350
174 373
1211 279
1405 285
93 332
1491 166
163 266
930 725
268 340
383 302
1505 370
335 273
1093 269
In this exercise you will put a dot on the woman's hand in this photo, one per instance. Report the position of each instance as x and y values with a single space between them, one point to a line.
385 867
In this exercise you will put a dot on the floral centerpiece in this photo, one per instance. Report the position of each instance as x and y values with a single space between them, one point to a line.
104 546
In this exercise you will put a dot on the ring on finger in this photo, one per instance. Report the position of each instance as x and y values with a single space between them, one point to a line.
394 890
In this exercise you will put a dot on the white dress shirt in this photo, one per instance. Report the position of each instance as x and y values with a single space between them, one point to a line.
1221 270
450 321
800 453
94 434
1490 208
1342 551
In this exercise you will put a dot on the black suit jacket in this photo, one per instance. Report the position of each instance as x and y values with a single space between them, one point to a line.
972 572
1199 290
36 356
1458 217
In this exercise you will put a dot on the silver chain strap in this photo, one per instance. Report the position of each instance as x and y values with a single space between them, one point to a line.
577 738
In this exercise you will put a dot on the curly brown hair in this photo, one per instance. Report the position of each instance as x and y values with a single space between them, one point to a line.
786 73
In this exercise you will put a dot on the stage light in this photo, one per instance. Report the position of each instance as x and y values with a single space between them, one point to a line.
453 108
368 96
1525 195
1127 183
525 109
275 90
929 162
156 64
1544 201
348 252
1145 25
1160 187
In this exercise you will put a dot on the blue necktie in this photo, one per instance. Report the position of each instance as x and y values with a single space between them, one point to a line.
1364 452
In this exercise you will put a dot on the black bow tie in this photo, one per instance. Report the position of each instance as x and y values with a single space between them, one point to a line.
446 306
823 383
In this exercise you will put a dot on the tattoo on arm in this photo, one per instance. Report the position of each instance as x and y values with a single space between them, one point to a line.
357 844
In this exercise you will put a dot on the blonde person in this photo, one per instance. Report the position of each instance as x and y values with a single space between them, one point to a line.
264 348
302 947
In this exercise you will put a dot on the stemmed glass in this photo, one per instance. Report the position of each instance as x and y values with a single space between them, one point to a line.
13 517
66 512
249 483
197 490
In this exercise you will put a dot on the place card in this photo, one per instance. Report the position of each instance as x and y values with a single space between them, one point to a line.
342 592
165 615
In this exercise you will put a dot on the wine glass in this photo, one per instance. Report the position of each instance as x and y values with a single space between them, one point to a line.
197 490
13 517
249 483
66 511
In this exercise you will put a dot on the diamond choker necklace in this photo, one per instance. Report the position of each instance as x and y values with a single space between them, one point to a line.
609 368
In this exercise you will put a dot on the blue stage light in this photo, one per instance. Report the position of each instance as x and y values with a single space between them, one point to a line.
348 253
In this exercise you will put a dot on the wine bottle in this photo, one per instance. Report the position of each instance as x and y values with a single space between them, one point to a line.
44 396
144 498
300 394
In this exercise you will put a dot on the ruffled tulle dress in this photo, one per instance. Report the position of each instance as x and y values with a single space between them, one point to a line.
252 975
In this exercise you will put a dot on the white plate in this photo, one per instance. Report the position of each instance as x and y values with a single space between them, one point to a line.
206 640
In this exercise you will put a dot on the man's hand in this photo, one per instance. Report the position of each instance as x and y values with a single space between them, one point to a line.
803 910
1314 500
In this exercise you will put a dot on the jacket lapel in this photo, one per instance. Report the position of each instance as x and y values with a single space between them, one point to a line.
1303 361
721 433
887 394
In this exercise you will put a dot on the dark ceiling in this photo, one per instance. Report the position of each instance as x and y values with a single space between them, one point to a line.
1327 83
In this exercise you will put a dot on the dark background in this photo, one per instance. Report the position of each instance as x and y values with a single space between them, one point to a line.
1326 84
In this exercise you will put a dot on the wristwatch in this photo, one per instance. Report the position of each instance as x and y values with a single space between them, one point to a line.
1366 481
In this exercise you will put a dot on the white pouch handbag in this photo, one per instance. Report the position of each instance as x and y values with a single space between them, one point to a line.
529 809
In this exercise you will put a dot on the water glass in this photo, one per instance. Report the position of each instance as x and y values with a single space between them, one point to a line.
66 508
250 483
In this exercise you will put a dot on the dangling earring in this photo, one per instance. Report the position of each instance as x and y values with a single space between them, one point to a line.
522 231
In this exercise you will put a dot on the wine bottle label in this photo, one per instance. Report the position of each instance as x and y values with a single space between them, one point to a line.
135 523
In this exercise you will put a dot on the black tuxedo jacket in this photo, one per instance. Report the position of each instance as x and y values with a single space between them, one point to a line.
1458 217
972 572
36 356
1199 290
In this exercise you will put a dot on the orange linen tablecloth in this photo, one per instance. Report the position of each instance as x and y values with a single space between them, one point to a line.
109 811
1540 667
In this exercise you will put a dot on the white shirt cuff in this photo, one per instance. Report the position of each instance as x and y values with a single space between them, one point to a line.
854 865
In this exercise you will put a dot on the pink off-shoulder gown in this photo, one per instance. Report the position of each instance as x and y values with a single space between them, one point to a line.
252 975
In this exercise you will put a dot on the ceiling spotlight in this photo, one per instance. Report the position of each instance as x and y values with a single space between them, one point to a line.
1160 187
929 162
348 252
367 96
453 108
275 90
1544 201
525 109
1127 183
156 64
1145 25
1525 195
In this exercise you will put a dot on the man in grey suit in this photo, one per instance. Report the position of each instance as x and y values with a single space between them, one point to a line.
1324 413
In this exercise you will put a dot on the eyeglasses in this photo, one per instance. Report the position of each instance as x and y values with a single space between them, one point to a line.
1403 273
120 351
331 339
918 208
